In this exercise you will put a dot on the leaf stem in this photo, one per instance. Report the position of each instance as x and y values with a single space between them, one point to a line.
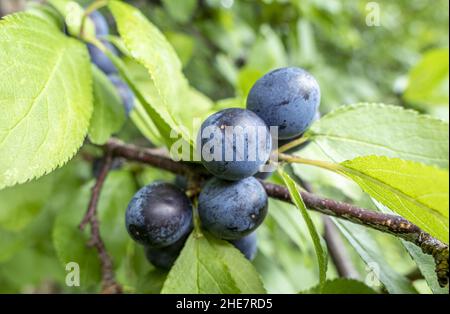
318 163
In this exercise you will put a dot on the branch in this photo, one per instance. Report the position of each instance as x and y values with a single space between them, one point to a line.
392 224
108 279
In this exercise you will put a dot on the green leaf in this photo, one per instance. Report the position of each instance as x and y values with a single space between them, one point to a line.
109 112
321 252
73 16
372 255
210 265
341 286
20 204
46 102
171 91
71 243
428 80
377 129
413 190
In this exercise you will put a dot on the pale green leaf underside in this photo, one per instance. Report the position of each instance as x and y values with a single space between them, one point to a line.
20 204
172 94
341 286
109 112
322 255
46 98
377 129
413 190
209 265
377 266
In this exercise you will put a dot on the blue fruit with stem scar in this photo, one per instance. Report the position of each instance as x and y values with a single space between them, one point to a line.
287 98
234 143
231 210
100 59
159 215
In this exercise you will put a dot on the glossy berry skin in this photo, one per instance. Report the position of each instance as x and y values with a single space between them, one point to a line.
100 23
158 215
231 210
301 146
287 98
164 257
125 93
247 245
100 59
241 154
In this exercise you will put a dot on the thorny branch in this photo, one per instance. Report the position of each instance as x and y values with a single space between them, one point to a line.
392 224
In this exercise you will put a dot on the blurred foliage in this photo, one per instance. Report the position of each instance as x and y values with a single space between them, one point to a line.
236 42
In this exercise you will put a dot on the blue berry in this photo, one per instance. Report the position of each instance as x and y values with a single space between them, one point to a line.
247 245
158 215
100 23
231 210
287 98
100 59
125 93
234 143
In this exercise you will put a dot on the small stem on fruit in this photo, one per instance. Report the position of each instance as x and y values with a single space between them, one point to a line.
293 144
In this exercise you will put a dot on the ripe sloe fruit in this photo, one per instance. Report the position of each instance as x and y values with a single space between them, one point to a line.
231 210
100 59
125 93
164 257
243 141
287 98
158 215
301 146
247 245
100 23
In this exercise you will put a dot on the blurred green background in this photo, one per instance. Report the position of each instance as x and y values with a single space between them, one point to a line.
225 46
